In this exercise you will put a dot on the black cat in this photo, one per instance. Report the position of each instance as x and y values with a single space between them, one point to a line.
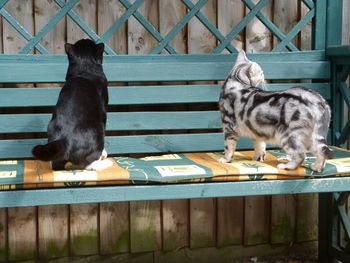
77 128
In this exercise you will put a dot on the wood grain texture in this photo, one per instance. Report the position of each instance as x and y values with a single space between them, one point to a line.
53 41
283 219
230 221
170 13
202 222
306 32
22 233
256 220
53 225
83 229
257 208
258 37
114 228
145 226
22 11
286 16
307 217
83 218
108 13
139 40
3 234
230 13
175 224
87 12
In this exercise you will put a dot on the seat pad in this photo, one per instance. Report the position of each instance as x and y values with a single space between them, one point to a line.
169 168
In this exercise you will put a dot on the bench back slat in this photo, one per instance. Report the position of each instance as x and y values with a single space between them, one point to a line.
121 121
164 68
135 95
154 143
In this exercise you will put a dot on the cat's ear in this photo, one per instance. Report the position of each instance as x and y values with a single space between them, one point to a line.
68 48
100 49
241 58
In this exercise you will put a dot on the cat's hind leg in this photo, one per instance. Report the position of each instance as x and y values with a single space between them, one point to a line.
295 149
230 147
260 151
99 164
322 153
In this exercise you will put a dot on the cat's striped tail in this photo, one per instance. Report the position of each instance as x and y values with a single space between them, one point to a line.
322 131
51 151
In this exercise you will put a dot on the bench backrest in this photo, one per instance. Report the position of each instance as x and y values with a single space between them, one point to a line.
161 107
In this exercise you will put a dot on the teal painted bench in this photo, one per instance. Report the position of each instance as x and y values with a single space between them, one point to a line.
199 129
132 128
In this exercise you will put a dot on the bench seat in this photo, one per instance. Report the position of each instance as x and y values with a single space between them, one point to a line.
169 168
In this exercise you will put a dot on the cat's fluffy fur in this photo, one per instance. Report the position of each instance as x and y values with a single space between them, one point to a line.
296 119
77 128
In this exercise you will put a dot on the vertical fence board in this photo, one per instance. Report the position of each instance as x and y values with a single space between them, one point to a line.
52 220
258 39
145 216
230 221
114 227
202 211
139 40
54 40
53 231
230 13
203 222
200 39
22 233
307 219
3 234
22 11
145 226
175 224
286 16
22 221
306 32
283 219
256 221
114 217
83 229
108 13
283 206
170 13
87 12
84 217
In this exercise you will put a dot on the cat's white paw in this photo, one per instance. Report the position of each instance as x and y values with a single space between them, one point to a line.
316 168
104 154
286 166
224 160
281 166
260 157
99 165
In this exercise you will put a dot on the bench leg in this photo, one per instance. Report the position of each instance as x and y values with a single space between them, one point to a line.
332 219
325 228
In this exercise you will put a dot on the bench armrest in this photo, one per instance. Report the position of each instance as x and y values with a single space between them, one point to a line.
339 55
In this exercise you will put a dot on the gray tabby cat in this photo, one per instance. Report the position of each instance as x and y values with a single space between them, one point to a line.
296 119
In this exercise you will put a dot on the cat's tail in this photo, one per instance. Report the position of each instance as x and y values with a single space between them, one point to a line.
51 151
322 131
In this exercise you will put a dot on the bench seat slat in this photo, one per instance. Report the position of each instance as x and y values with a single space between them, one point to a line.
135 95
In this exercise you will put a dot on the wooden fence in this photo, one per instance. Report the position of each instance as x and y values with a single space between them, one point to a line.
169 226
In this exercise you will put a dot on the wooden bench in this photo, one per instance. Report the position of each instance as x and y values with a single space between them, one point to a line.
182 117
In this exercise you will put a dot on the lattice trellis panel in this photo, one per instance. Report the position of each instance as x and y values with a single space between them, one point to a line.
315 8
